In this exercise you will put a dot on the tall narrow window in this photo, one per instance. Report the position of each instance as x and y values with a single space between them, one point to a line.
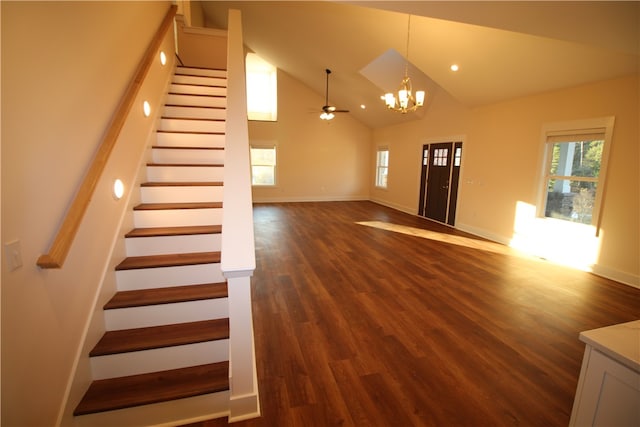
263 165
382 167
262 89
573 178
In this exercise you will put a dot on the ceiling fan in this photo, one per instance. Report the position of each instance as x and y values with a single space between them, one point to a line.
329 110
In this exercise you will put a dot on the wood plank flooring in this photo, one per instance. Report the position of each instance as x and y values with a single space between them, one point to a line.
361 326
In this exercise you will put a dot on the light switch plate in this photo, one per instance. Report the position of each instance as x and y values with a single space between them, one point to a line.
13 254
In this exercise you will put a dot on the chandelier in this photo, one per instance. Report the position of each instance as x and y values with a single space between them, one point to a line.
405 101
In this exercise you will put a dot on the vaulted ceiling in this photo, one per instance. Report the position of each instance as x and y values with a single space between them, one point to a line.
504 49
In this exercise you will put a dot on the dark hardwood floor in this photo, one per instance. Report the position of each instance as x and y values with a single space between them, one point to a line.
361 326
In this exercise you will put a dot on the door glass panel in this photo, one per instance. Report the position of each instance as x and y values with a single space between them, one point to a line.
440 156
457 156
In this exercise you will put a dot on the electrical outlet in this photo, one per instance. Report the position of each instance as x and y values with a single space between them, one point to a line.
13 254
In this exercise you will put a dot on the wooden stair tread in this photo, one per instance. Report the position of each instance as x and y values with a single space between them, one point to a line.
174 231
166 206
202 165
168 295
198 94
183 184
200 84
193 132
144 389
137 339
185 68
164 147
168 260
195 119
195 106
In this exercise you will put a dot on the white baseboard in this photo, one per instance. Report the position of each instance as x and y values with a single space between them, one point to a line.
401 208
244 407
597 269
302 199
617 275
483 233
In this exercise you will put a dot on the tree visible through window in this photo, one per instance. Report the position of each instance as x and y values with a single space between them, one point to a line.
572 175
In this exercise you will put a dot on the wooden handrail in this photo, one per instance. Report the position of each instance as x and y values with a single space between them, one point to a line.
67 231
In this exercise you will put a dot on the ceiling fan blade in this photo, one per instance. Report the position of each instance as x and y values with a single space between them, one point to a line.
340 111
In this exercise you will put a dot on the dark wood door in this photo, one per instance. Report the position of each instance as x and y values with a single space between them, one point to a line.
437 202
439 181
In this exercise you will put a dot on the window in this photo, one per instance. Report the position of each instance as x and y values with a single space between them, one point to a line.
382 167
457 157
262 89
573 178
263 165
440 156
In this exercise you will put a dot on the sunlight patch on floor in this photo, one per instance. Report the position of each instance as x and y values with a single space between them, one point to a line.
441 237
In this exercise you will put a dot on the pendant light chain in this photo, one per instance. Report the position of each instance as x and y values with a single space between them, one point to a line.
406 65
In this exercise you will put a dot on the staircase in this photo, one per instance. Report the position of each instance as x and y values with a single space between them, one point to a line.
165 356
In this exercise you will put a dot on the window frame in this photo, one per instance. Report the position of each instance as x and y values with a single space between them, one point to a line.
254 64
379 167
575 127
264 146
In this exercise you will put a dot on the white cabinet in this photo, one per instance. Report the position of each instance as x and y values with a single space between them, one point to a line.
608 392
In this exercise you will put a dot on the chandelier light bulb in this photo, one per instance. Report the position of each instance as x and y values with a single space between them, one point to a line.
405 100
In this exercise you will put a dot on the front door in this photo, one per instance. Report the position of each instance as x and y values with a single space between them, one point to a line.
439 181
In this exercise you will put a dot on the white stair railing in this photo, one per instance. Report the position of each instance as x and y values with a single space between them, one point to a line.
238 247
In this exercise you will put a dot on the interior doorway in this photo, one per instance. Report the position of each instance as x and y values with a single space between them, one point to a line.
439 181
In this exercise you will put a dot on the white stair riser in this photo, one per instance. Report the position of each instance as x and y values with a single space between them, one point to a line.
148 278
160 359
164 314
189 140
188 156
177 217
185 174
186 125
207 72
158 245
199 80
195 112
187 89
173 413
182 194
196 101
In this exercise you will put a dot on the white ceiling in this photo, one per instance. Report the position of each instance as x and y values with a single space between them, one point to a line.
504 49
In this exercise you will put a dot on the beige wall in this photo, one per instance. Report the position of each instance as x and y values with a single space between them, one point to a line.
316 160
502 159
65 66
201 47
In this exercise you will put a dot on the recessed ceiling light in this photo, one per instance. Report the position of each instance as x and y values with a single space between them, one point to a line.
454 67
363 106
